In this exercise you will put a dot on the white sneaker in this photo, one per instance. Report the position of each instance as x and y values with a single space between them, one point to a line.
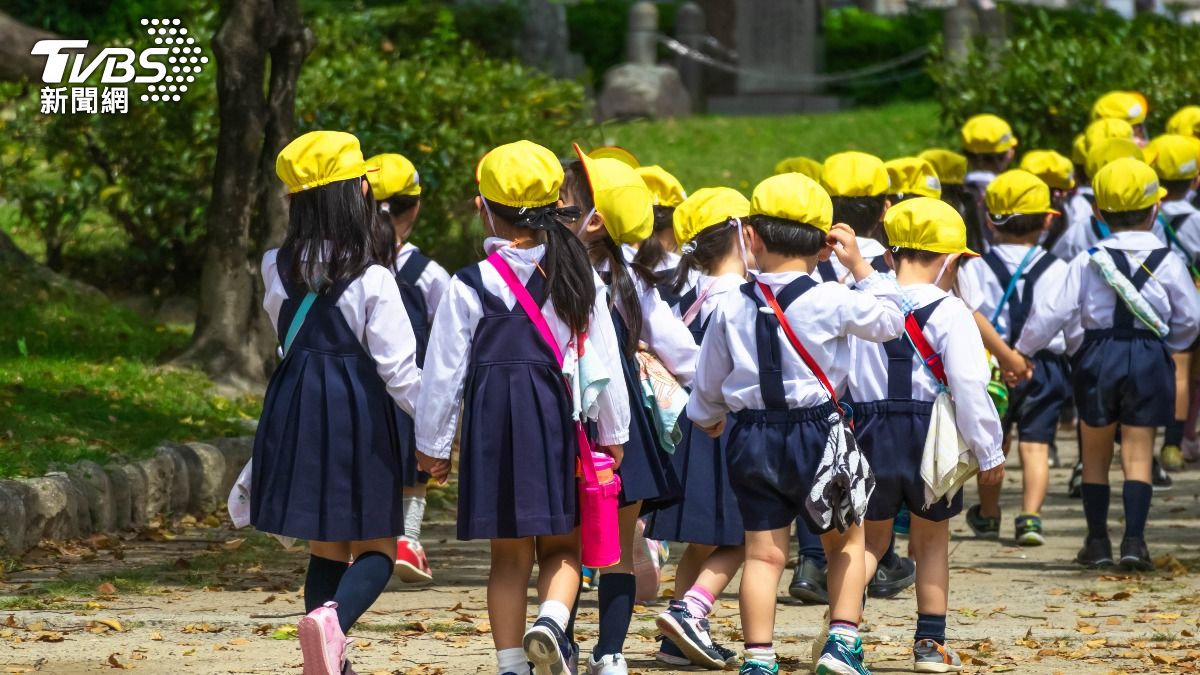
818 644
611 664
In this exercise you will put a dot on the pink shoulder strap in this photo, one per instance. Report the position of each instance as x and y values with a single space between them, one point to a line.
526 301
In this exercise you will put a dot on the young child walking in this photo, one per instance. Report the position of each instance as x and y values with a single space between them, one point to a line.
989 144
1137 306
774 356
708 226
327 463
396 186
1004 285
518 446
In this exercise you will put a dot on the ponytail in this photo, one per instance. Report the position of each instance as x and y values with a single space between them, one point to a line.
703 252
383 239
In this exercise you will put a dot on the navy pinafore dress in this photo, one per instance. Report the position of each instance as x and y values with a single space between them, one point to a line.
518 447
708 511
417 308
327 461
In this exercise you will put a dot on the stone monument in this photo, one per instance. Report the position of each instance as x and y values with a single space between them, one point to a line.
641 87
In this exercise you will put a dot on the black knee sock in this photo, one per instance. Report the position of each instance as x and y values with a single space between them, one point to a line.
931 627
1174 434
570 630
616 611
890 558
321 581
1095 508
361 586
1136 496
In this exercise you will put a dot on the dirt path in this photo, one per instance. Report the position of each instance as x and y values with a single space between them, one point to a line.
199 598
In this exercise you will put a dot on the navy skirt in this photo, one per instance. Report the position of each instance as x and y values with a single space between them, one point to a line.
1125 377
407 430
708 511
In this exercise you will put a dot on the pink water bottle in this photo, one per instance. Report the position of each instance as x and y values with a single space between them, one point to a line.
599 501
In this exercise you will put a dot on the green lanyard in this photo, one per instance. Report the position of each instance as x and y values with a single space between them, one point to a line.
1173 237
301 312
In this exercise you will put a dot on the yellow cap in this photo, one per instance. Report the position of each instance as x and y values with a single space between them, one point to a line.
1104 129
391 174
1122 105
1173 157
987 135
1126 184
926 224
1018 192
1079 150
708 207
615 152
1054 169
1109 149
319 158
520 175
667 189
951 167
621 197
913 176
805 165
1185 121
854 174
793 196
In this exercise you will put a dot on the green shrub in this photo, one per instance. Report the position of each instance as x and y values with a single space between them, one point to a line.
1056 63
854 39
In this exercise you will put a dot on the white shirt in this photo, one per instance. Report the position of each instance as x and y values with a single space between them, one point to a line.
1086 299
953 335
1079 235
981 290
374 311
1188 232
823 317
870 249
449 352
714 289
433 280
979 179
669 262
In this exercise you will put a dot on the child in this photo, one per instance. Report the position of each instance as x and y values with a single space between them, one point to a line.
656 256
396 187
951 170
518 447
785 410
858 185
1004 285
1086 228
1128 106
803 165
894 388
912 177
617 209
327 463
1123 372
1058 173
989 145
707 227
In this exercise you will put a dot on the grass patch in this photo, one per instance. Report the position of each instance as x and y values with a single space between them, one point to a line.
28 602
741 151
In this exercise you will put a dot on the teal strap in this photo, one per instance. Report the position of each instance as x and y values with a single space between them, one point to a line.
301 312
1012 287
1173 238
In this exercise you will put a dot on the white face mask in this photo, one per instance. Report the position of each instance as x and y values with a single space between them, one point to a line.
584 223
487 215
942 271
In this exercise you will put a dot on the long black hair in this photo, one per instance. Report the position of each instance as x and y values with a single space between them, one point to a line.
606 250
332 234
705 250
652 253
570 282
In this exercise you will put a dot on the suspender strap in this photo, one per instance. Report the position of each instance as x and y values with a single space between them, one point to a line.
1171 227
781 318
880 265
914 325
1123 319
825 269
413 268
298 320
900 355
1018 312
531 307
770 358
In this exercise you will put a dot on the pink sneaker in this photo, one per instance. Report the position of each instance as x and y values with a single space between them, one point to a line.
646 569
1191 449
322 641
411 565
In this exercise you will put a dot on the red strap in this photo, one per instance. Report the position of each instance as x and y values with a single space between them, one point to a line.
791 336
930 357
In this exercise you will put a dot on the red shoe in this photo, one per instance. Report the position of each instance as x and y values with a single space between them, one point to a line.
411 565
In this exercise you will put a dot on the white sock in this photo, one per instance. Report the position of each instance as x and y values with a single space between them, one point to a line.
512 661
764 655
557 612
414 513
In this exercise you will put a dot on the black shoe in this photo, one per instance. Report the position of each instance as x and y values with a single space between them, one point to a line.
891 579
984 527
808 583
1054 464
1075 485
1096 553
1135 557
1159 477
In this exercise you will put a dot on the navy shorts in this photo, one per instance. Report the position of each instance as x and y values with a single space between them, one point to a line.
773 457
1034 406
1125 377
891 435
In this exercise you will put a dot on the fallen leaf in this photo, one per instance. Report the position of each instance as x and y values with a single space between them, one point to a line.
156 636
50 636
268 599
284 633
1113 621
233 544
106 589
1164 659
239 641
1121 595
1089 630
114 663
112 623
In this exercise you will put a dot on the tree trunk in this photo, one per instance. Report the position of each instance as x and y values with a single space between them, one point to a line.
234 341
16 41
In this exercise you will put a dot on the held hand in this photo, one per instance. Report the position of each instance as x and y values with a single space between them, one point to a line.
438 468
1011 361
845 242
993 476
617 452
715 430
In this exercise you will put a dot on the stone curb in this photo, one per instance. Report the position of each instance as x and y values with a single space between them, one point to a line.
87 498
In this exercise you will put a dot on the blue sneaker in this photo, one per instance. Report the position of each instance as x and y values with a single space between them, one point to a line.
690 635
839 658
547 648
902 522
758 668
587 578
670 654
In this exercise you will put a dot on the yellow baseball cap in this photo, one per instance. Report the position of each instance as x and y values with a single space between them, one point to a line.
1104 129
926 224
667 189
805 165
319 158
621 197
521 175
987 135
1126 184
708 207
1109 149
1079 150
1185 121
950 166
793 196
1018 192
1174 157
1122 105
1053 169
391 175
913 176
615 152
854 174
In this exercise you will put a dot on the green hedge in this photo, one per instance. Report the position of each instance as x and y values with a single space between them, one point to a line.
854 39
